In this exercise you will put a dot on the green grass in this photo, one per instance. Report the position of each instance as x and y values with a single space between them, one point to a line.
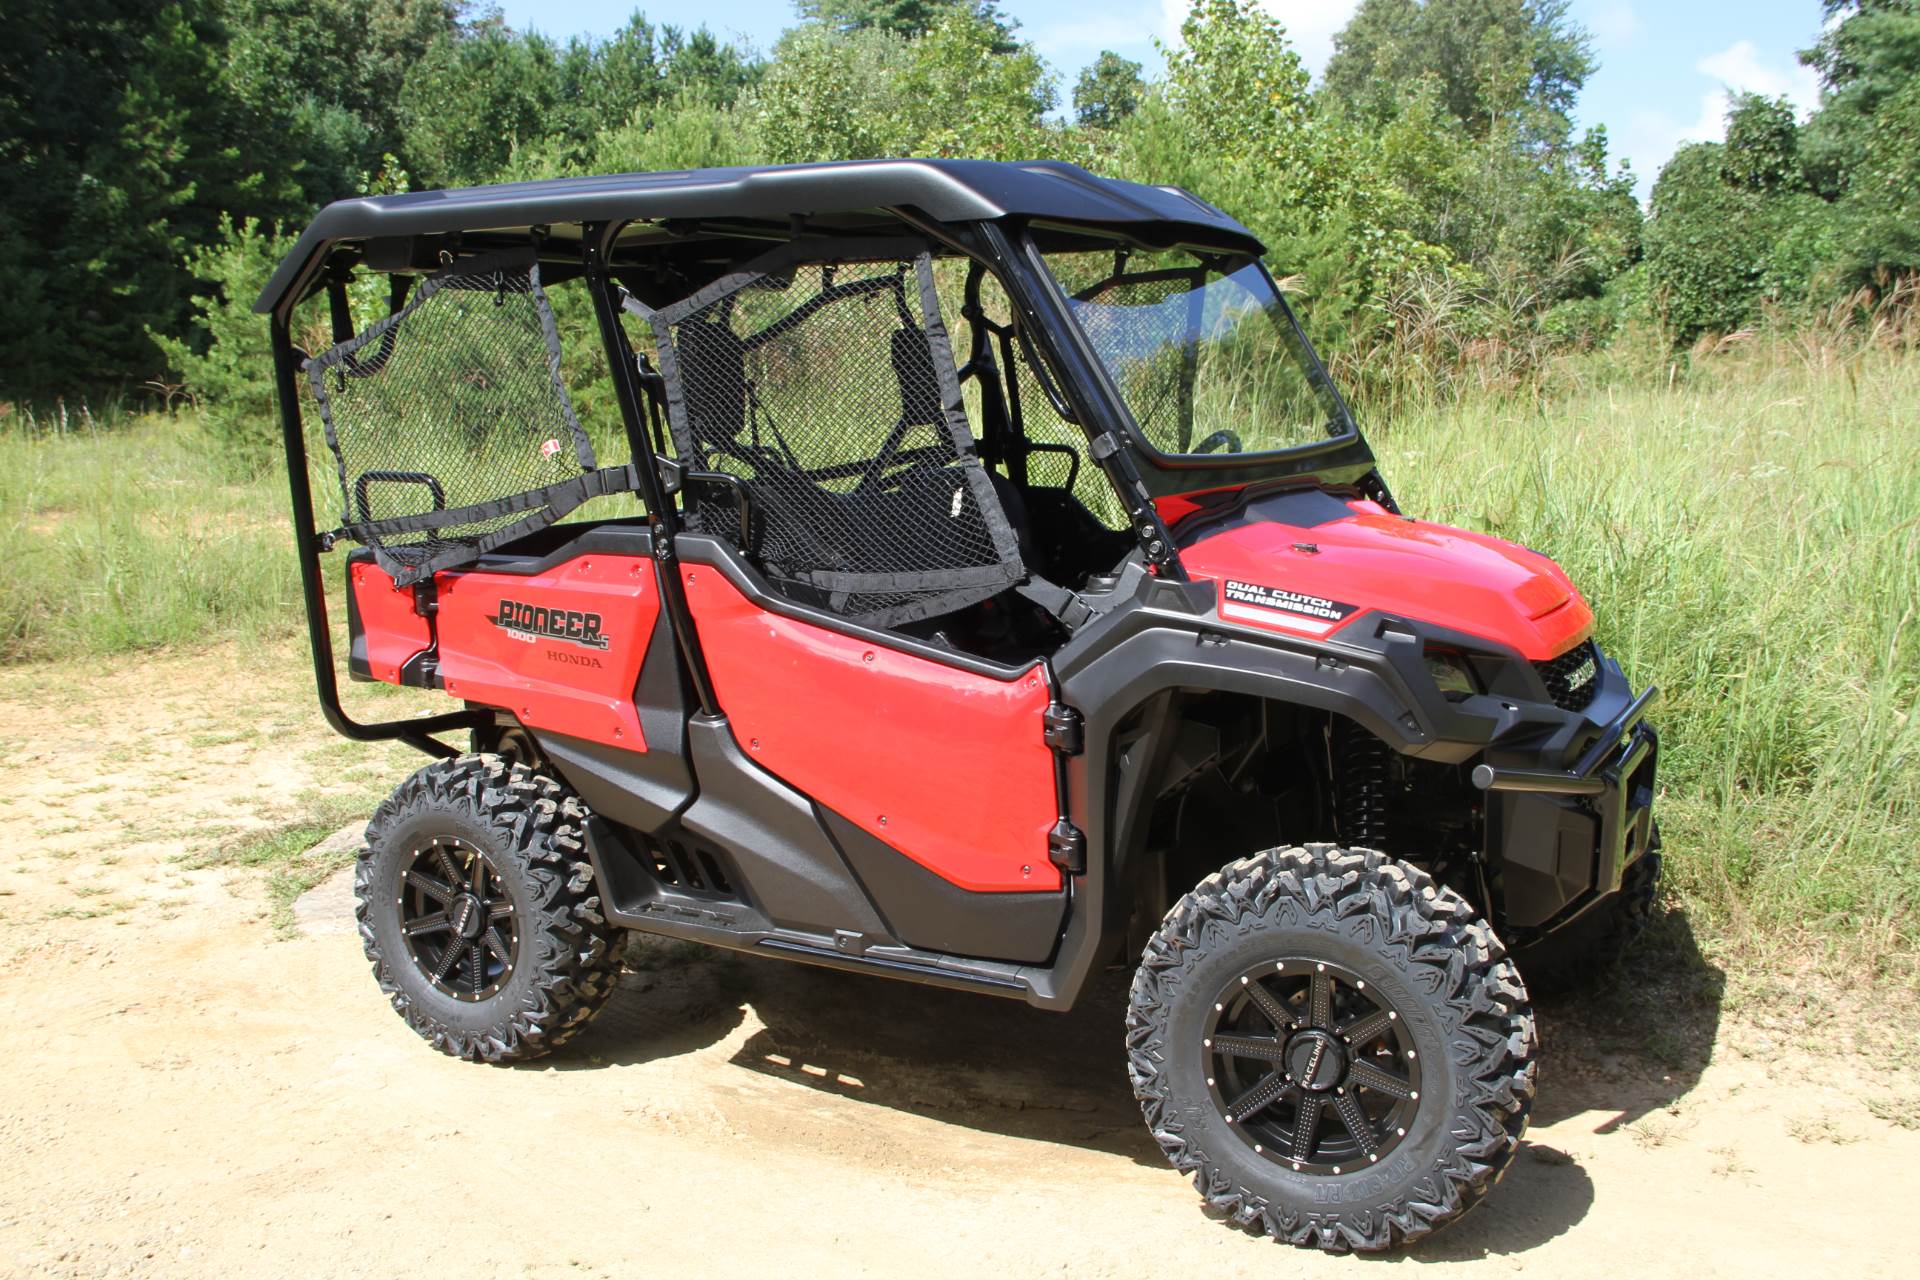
133 539
285 852
1750 542
1747 530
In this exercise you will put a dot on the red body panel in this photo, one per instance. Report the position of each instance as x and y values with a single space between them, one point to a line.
1374 559
945 765
571 667
394 631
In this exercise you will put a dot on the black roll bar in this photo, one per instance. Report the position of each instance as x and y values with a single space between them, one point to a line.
416 733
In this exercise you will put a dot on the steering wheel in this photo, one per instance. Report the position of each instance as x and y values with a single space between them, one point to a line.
1218 438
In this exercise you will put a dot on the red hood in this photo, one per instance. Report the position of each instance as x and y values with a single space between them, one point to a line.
1371 559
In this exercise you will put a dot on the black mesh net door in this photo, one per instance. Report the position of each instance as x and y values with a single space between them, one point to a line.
450 424
822 379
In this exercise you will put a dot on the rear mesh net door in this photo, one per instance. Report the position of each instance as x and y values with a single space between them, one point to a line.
449 422
821 378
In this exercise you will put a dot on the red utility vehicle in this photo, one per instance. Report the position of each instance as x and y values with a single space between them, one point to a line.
989 586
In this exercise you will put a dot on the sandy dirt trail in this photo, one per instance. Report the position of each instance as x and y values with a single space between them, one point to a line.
189 1093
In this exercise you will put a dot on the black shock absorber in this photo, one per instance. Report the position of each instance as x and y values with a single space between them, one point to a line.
1359 786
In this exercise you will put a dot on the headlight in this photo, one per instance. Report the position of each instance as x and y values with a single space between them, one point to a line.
1452 674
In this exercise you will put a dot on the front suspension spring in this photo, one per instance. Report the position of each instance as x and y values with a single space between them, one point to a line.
1359 786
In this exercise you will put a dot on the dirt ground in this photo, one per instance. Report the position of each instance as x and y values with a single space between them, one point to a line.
191 1092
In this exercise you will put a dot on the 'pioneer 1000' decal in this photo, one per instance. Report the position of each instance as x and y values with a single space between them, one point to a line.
1278 607
530 622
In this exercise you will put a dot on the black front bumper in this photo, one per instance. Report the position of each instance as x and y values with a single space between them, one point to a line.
1560 840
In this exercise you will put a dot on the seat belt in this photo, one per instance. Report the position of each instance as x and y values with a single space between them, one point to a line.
1064 606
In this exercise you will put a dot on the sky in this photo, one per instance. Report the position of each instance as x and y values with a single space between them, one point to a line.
1666 66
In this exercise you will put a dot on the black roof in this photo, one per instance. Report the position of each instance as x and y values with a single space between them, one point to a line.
946 190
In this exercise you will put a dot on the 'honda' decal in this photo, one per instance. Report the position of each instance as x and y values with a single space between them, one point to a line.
1278 607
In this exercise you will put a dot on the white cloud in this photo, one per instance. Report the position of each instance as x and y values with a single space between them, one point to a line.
1311 24
1738 67
1651 137
1614 25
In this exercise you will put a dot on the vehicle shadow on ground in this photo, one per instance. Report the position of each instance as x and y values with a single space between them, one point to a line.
1631 1044
1634 1041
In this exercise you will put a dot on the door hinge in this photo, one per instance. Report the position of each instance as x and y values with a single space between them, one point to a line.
1062 728
1067 848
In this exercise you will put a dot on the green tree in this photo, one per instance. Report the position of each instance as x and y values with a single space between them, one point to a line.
1710 243
1868 53
831 95
1513 63
1882 210
119 148
1317 192
909 18
223 355
471 98
326 75
1108 91
1763 144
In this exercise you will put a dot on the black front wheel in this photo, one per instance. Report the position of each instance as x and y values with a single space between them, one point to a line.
478 908
1334 1046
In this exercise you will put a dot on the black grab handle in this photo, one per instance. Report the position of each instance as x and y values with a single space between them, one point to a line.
395 477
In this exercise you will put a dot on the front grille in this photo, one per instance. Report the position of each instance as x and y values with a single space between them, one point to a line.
1573 677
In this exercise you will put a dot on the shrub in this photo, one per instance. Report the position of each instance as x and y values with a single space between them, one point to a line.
227 360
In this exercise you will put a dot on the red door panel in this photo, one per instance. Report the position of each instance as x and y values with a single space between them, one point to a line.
947 766
560 649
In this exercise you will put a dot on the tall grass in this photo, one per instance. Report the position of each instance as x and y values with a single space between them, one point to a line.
1746 524
1750 541
113 540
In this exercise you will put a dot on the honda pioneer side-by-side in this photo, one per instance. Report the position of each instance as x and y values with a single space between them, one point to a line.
972 577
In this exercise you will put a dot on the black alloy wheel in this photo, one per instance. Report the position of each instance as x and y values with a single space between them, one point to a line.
458 920
480 912
1311 1066
1333 1046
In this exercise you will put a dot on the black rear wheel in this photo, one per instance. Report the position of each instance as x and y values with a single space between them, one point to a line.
478 908
1334 1046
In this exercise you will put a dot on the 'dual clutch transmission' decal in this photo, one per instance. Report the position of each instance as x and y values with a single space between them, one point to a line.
1278 607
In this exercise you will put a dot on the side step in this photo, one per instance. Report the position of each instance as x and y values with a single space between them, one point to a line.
637 901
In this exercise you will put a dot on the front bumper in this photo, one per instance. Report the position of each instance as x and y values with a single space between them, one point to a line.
1562 839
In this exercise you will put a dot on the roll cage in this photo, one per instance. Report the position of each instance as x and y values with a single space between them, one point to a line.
645 241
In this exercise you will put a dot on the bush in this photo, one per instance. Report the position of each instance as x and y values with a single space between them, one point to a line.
227 359
1706 243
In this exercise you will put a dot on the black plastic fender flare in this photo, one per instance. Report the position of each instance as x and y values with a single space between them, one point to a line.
1164 653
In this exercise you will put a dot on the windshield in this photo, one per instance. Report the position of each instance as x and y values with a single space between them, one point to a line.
1203 349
